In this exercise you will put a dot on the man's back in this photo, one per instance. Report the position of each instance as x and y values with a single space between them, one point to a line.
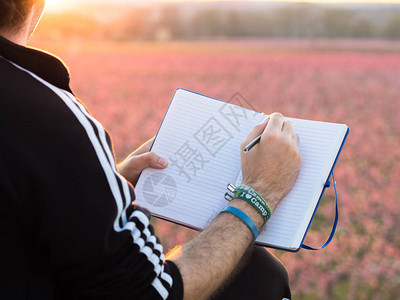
58 208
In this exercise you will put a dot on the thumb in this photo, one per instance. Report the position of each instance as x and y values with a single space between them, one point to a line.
144 148
131 167
255 132
149 159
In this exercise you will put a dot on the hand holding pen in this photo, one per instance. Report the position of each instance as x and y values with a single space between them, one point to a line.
272 166
256 140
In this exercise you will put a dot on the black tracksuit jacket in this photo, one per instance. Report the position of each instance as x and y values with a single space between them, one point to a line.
68 229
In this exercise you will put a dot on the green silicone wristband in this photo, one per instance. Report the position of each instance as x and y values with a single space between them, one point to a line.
249 195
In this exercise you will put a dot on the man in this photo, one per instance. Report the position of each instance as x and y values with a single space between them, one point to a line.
67 224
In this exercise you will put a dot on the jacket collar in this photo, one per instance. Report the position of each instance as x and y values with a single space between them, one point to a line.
44 65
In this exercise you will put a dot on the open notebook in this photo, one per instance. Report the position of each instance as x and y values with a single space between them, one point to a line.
201 137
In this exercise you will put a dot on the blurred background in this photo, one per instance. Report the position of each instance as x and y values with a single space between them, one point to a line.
336 62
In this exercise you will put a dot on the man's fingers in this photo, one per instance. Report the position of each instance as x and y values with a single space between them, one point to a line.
131 167
144 148
272 125
149 159
288 126
288 129
138 163
255 132
275 124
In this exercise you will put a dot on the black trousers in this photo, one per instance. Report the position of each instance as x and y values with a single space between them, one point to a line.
262 276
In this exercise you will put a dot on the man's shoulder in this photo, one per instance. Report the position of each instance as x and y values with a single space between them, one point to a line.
18 84
25 97
32 110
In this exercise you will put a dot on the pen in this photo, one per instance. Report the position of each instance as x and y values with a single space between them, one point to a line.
252 144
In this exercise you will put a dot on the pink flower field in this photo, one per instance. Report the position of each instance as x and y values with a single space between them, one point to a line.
128 86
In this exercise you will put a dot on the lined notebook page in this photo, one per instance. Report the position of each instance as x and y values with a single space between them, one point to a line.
201 137
319 146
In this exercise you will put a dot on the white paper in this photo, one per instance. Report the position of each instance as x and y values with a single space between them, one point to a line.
201 137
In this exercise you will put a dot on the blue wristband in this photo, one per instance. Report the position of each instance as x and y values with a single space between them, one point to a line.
245 218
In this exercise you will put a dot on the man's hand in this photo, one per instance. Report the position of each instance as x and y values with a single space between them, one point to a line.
139 160
271 167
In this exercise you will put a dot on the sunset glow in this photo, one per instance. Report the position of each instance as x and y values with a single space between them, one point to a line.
300 1
50 3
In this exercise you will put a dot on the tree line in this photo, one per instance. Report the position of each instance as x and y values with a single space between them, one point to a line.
291 21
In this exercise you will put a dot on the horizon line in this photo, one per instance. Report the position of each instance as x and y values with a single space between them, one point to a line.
298 1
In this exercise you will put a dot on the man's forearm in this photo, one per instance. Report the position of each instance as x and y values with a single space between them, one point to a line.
207 260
